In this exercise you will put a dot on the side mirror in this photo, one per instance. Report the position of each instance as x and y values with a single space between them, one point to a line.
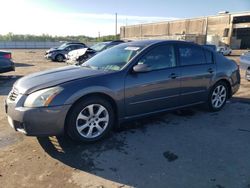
141 68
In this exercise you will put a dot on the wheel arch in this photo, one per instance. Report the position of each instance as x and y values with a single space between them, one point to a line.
228 83
102 95
59 54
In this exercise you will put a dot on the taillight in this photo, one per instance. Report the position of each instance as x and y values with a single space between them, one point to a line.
7 56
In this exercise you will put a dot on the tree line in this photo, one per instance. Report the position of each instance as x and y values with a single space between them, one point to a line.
50 38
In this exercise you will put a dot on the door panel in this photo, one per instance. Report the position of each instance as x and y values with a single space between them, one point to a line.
197 72
154 90
195 82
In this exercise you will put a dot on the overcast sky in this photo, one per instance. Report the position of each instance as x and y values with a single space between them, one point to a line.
86 17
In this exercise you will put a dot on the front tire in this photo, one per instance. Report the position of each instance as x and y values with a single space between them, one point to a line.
59 58
90 120
218 96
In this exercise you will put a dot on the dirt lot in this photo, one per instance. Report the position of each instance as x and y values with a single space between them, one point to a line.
185 149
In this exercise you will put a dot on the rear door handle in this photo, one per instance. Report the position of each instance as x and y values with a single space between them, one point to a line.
210 70
173 76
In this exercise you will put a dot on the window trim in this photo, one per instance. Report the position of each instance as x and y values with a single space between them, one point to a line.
149 50
213 59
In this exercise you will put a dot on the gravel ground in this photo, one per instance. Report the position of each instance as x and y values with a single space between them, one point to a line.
181 149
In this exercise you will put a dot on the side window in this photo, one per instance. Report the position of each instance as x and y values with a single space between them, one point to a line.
74 47
160 57
191 55
80 46
209 57
68 48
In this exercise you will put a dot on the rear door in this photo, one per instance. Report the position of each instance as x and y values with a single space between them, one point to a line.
197 71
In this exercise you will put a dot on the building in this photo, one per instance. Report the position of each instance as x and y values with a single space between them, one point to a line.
226 28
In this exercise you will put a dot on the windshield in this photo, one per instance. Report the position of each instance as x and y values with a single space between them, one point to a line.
113 59
63 46
99 46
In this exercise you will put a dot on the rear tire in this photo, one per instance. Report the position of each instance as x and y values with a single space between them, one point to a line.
90 120
218 96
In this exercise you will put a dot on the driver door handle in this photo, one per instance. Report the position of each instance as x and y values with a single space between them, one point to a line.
210 70
173 76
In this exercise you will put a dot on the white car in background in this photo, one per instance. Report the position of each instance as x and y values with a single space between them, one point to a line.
72 56
224 50
245 63
78 57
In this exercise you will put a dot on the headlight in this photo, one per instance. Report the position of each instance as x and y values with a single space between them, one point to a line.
42 98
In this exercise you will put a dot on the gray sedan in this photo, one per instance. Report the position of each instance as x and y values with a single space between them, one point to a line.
245 64
128 81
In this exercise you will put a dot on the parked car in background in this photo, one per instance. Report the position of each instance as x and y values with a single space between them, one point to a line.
224 50
210 46
59 54
80 56
6 63
245 63
106 45
128 81
63 45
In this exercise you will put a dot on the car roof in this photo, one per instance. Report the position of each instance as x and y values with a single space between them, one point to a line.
74 43
145 43
112 41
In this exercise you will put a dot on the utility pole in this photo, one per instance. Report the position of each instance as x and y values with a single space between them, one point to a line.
116 25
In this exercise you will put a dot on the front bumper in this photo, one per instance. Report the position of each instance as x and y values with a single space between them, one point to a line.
71 61
49 56
44 121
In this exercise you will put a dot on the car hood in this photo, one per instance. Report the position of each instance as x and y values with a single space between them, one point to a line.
54 50
76 53
45 79
51 49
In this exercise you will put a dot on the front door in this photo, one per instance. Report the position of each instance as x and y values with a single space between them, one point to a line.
157 89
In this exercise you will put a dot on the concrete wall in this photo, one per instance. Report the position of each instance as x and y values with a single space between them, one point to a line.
33 45
203 28
164 30
217 24
28 45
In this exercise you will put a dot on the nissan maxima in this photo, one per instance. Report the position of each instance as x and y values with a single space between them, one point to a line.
128 81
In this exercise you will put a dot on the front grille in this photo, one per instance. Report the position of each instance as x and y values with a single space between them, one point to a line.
13 95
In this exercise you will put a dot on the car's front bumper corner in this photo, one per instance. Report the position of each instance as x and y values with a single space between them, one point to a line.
47 121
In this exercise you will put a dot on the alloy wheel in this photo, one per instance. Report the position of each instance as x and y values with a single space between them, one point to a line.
92 121
219 96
